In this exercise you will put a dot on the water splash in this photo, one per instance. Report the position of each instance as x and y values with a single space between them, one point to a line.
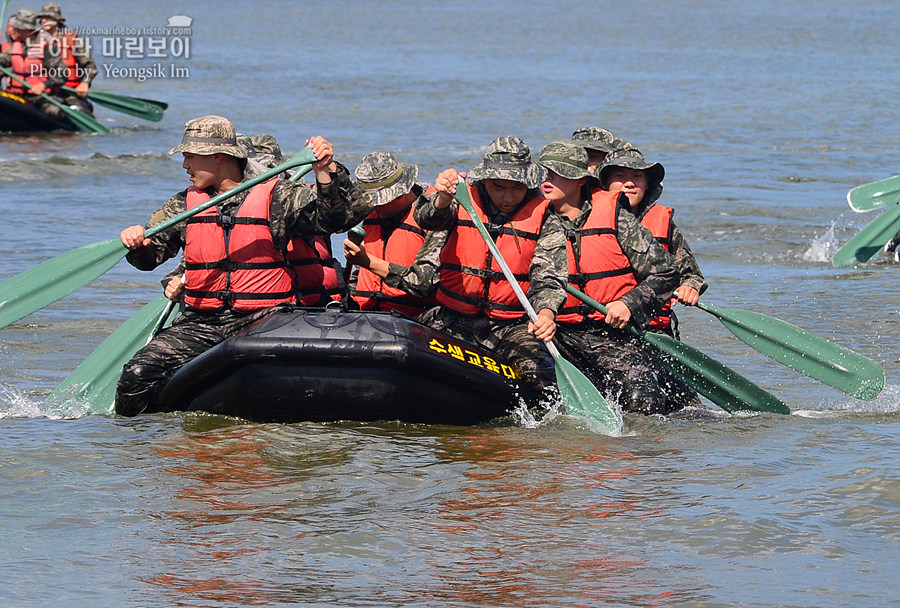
16 404
823 248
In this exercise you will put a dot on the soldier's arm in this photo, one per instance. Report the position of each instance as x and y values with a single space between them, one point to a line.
163 245
421 278
686 262
549 270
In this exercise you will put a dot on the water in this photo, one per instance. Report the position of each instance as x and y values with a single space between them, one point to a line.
763 114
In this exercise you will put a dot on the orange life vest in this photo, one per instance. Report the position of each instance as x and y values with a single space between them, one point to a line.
471 281
398 245
233 261
66 46
602 271
658 220
315 270
27 64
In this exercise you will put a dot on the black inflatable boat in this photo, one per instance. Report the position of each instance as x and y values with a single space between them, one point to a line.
322 366
17 116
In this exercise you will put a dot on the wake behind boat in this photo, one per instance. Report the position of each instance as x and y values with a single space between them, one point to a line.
299 365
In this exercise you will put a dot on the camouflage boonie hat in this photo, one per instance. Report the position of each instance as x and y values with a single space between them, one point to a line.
24 19
595 138
566 158
210 135
632 159
509 158
384 179
52 11
267 147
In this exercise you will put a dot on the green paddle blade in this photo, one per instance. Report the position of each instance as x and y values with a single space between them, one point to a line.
56 278
870 240
94 381
883 193
127 105
718 383
582 398
807 353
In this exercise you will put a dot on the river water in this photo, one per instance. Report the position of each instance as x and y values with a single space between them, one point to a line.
764 115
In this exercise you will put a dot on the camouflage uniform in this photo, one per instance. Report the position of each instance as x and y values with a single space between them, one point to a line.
56 69
507 158
618 363
296 210
83 60
678 248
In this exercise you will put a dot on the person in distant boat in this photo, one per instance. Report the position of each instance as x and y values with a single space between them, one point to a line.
392 234
625 170
30 57
616 261
454 265
80 66
318 276
598 142
237 260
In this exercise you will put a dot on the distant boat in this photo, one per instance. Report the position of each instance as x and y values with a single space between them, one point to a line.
322 366
19 116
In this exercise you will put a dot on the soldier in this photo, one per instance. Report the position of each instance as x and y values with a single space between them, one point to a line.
392 234
616 261
80 66
625 170
598 142
454 265
237 260
32 60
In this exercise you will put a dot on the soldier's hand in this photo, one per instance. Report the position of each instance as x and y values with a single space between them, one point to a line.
175 288
545 327
82 89
356 253
133 237
687 295
617 314
445 184
38 88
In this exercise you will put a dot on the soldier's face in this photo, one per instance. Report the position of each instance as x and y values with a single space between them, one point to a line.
595 157
202 169
17 35
633 182
398 205
506 194
557 188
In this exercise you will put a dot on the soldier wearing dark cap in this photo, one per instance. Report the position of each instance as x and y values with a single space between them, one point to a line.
392 234
476 303
625 170
80 66
598 142
616 261
237 258
31 59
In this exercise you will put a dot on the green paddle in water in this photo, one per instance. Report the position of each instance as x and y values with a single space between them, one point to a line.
807 353
142 108
870 240
579 394
56 278
883 193
718 383
94 381
79 119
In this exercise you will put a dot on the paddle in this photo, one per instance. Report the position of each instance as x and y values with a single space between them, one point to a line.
870 240
94 381
883 193
803 351
57 277
142 108
3 18
718 383
79 119
579 394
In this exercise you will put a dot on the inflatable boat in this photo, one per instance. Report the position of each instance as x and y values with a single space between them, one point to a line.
18 116
300 365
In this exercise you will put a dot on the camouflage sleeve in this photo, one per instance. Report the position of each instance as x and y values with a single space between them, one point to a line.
686 262
421 278
85 62
333 207
654 268
163 245
56 68
550 267
430 217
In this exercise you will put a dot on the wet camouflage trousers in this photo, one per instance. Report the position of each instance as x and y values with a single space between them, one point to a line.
190 335
509 341
623 368
67 99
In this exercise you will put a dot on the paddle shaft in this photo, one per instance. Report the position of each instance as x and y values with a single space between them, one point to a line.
81 119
